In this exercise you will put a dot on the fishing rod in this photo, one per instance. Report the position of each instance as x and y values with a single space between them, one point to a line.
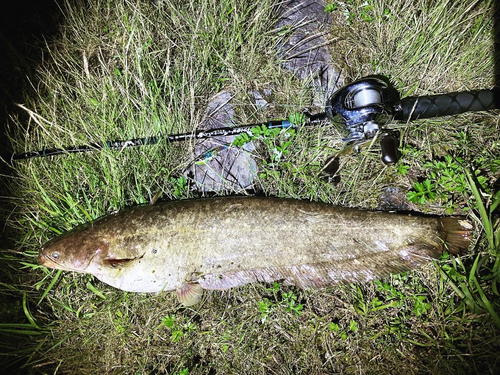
121 144
364 107
367 105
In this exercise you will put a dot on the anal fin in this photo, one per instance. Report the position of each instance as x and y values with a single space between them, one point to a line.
318 275
189 294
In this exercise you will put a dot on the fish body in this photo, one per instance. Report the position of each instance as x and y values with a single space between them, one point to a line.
219 243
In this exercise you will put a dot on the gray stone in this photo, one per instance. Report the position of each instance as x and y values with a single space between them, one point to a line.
306 52
219 167
260 102
392 198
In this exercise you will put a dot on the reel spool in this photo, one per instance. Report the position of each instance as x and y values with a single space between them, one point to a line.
364 106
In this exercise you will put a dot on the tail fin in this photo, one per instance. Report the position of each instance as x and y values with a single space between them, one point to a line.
456 232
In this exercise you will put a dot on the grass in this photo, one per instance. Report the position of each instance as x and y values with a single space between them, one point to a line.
122 70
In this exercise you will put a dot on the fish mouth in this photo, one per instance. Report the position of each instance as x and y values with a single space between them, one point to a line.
49 261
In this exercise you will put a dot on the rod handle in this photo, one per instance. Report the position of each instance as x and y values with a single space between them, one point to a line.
413 108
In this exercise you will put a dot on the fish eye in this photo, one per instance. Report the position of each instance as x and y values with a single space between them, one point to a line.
55 255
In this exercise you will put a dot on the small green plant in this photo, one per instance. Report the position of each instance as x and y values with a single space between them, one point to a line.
353 326
355 9
290 301
448 175
178 330
366 12
258 132
276 140
333 327
390 294
266 307
180 186
344 332
329 8
421 306
424 192
445 182
268 134
386 14
297 118
403 169
287 300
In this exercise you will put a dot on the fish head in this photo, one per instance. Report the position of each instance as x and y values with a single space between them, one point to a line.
79 250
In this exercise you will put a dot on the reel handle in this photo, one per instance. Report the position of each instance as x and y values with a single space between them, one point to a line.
389 142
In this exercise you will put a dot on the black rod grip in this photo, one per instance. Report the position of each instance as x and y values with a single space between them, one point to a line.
410 109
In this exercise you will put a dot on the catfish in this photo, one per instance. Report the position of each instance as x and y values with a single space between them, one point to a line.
219 243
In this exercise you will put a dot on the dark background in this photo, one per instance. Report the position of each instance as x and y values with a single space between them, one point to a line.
24 24
24 27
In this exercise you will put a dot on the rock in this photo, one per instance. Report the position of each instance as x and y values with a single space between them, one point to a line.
220 167
392 198
306 52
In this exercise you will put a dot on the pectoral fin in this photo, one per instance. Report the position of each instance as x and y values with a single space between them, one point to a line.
120 262
117 263
189 294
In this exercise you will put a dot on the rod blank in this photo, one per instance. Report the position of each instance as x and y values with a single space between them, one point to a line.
121 144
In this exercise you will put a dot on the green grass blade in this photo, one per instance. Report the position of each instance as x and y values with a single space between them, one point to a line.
485 218
27 312
49 287
484 299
